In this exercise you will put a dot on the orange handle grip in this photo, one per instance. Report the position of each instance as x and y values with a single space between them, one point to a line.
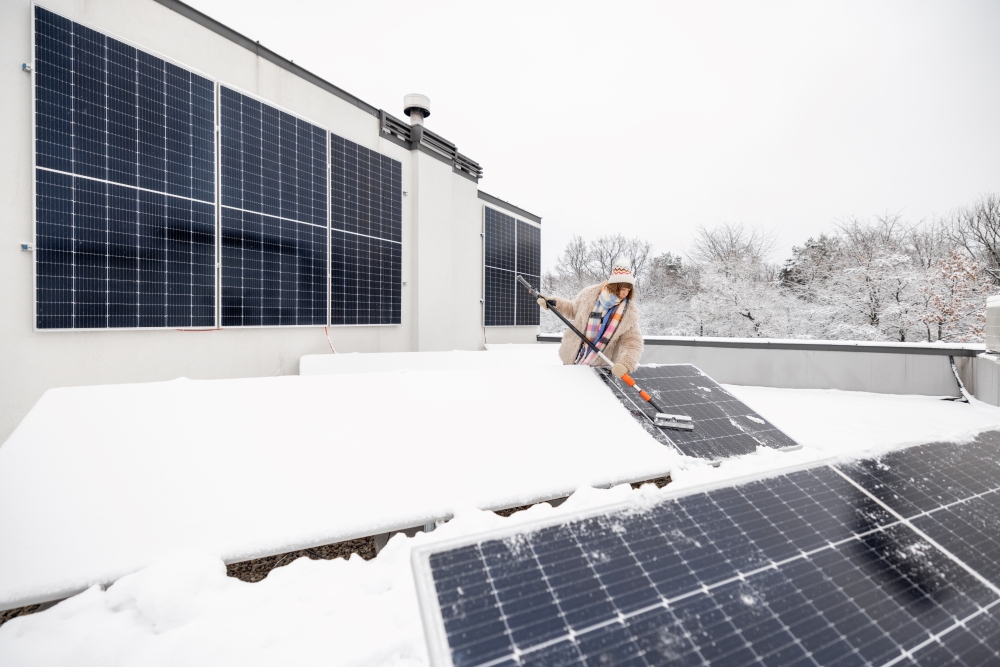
627 379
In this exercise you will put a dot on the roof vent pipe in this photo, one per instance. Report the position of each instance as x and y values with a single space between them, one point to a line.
417 107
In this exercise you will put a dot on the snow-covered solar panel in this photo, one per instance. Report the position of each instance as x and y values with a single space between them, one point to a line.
366 242
724 426
125 184
806 568
274 215
512 247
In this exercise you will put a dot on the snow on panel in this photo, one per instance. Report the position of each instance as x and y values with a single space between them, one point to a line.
97 482
497 356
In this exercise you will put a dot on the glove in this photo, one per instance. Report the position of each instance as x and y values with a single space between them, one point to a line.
543 302
619 370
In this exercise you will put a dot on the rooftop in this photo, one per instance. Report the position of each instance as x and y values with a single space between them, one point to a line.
234 469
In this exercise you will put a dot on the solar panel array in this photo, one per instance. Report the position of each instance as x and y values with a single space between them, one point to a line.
274 215
367 221
724 426
512 247
126 208
888 562
125 184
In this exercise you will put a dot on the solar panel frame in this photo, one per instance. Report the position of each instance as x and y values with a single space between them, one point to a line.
963 618
36 167
277 206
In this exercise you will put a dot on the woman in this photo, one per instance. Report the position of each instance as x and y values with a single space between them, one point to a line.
607 314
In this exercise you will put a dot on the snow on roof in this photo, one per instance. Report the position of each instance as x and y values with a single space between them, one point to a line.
97 482
185 610
496 356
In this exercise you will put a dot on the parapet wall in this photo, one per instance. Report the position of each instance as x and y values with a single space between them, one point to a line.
885 368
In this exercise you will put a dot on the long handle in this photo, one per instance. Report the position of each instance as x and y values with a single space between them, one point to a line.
626 378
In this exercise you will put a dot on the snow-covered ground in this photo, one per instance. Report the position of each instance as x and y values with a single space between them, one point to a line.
183 610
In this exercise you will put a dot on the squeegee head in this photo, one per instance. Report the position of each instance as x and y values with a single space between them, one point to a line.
677 422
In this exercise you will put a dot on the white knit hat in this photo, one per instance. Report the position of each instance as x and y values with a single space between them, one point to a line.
621 272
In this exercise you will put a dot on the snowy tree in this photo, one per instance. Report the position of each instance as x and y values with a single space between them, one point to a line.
731 244
877 279
953 299
976 229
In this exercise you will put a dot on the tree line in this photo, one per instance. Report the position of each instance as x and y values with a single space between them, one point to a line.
876 279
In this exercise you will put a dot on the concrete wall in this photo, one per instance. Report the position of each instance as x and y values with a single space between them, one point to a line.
442 247
885 368
880 372
987 379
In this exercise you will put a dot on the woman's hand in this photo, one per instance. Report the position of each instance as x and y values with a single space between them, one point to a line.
543 301
619 370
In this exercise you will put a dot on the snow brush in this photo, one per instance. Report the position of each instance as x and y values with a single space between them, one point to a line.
662 419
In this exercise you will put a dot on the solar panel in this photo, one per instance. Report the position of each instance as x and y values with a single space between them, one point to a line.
950 492
367 221
512 247
724 425
804 568
124 184
274 215
529 264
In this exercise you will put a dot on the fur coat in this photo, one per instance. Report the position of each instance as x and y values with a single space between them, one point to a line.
626 344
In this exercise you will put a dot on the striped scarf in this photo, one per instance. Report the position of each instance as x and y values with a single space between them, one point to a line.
601 325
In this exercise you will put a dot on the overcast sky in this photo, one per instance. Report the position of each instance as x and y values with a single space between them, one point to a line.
651 118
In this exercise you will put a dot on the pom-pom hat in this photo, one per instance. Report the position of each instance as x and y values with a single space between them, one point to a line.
621 272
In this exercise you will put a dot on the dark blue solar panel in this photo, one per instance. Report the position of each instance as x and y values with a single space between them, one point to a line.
512 247
526 310
926 477
529 249
951 492
724 426
274 216
501 240
366 242
805 568
110 119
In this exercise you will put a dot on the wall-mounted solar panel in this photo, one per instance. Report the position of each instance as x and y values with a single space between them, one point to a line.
847 565
124 184
366 238
274 215
512 247
724 426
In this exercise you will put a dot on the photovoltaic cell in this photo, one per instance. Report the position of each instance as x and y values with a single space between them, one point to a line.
125 173
367 222
805 568
724 426
274 216
512 247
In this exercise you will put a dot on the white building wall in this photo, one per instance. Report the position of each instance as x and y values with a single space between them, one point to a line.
446 281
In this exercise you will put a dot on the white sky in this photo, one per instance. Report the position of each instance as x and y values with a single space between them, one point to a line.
648 118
